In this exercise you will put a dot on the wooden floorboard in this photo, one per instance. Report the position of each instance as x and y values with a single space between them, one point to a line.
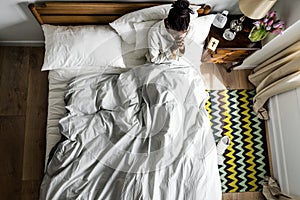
36 117
13 80
216 77
269 149
243 196
30 189
11 154
23 111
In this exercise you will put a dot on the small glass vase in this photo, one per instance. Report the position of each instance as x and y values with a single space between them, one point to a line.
257 34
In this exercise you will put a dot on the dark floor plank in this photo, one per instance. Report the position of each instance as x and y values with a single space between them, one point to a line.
13 80
36 116
11 154
30 190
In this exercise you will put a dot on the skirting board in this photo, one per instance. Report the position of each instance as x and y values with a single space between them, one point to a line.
284 136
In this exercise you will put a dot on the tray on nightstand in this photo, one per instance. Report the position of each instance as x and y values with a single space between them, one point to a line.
234 51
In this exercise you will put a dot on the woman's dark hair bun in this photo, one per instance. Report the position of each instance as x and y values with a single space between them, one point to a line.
181 4
179 15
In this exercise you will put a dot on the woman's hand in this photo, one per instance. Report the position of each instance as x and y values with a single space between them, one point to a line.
178 45
174 48
182 49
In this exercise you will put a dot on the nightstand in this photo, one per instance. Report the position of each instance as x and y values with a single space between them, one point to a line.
234 51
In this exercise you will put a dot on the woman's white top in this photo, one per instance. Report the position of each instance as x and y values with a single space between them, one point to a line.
159 42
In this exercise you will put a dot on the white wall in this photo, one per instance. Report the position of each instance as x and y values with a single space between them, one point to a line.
284 131
288 10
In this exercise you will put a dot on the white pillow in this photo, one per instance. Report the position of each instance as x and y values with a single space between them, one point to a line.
81 46
124 25
195 39
141 30
201 26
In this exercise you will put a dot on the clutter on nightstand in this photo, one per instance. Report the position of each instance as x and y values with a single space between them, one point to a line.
220 50
235 26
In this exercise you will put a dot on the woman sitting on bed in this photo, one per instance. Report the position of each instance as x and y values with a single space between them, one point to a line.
166 38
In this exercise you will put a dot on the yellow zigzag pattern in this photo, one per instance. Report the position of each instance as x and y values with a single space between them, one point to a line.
231 169
207 106
249 140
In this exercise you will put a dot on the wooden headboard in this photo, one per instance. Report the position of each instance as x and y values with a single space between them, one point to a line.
78 13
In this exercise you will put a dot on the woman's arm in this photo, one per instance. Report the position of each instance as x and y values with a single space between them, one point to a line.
155 53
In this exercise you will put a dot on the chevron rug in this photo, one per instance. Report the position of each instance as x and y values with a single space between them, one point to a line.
246 161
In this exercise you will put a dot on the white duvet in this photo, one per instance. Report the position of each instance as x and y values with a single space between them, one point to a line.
140 134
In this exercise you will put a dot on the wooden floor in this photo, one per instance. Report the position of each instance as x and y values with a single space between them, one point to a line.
23 113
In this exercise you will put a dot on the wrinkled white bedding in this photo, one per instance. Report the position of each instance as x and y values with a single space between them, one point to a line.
140 134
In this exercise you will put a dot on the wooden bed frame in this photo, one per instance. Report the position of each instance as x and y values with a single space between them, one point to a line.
79 13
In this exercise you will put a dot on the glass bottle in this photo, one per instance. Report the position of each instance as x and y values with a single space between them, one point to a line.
236 25
220 19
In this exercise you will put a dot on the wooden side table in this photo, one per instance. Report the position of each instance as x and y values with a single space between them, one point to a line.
234 51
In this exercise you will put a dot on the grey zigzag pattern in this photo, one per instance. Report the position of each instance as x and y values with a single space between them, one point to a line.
239 124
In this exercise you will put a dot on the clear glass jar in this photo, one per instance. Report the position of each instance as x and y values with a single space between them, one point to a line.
220 19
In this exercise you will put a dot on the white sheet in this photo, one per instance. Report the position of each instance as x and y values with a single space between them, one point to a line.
58 80
210 181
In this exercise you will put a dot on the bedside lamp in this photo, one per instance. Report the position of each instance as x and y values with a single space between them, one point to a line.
256 9
253 9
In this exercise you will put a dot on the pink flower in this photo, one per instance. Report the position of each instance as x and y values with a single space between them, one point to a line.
272 14
277 25
257 22
270 23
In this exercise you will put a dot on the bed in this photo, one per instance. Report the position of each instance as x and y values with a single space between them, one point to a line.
118 127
